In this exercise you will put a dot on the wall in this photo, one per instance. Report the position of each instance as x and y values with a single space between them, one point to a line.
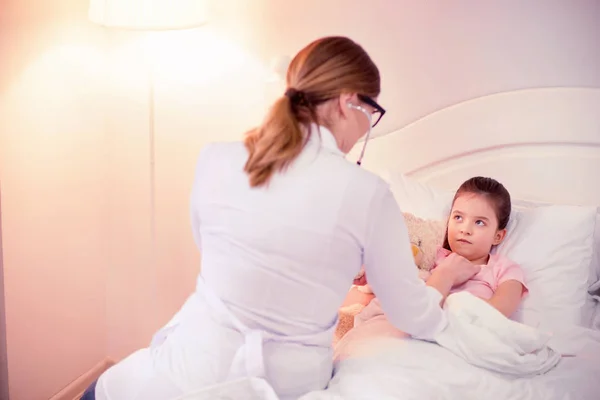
53 170
434 54
209 84
80 267
130 291
3 353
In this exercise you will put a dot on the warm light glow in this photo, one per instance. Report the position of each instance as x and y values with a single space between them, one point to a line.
279 66
148 14
180 59
200 57
53 82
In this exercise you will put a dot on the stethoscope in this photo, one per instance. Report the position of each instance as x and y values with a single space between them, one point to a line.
370 118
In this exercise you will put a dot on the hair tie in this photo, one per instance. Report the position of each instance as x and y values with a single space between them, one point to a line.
297 97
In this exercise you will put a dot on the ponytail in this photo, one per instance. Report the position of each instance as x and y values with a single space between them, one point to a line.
321 71
275 144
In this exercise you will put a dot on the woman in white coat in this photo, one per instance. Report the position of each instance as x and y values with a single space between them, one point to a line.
284 222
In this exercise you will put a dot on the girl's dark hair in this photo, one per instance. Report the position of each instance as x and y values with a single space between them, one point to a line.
496 194
323 70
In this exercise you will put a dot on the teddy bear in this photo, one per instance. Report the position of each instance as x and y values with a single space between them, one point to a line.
425 237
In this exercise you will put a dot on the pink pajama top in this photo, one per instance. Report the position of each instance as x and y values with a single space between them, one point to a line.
498 270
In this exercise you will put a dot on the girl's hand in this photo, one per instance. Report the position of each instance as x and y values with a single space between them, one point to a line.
355 296
360 279
458 269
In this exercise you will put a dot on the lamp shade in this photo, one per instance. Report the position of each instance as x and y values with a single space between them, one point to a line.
148 14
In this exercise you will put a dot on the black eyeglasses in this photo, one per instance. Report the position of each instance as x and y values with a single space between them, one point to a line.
379 111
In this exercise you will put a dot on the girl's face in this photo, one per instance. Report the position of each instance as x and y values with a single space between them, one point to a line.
473 228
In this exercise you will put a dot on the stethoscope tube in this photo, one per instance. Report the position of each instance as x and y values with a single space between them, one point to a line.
370 118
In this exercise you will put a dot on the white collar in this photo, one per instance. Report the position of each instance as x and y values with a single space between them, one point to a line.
322 137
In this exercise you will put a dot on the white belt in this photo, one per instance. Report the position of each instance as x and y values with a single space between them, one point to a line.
249 359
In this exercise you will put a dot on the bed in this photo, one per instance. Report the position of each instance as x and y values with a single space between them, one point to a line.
544 146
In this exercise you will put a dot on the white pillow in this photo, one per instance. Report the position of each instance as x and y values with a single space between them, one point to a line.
594 276
553 244
591 313
595 319
595 266
591 309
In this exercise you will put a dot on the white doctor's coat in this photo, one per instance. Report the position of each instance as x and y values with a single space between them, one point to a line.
277 263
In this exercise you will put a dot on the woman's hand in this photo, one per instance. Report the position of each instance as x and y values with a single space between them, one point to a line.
355 296
457 268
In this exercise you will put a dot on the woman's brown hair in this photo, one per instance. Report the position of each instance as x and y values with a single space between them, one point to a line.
323 70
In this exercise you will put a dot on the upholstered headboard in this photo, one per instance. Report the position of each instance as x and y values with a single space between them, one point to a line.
542 144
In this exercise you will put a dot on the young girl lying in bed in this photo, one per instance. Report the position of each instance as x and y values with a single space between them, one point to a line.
480 213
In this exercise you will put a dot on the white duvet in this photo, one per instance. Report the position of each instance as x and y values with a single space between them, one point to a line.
482 336
477 333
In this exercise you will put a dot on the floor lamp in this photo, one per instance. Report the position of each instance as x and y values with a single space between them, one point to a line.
149 15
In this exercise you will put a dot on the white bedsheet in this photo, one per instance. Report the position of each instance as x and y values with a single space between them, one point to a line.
388 367
239 389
